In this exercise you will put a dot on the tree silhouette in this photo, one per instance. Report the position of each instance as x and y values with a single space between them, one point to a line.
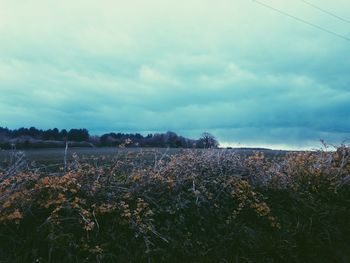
207 140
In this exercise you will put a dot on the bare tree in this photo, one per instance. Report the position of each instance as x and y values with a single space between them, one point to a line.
207 140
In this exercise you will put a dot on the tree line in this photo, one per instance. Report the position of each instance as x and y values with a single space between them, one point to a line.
36 138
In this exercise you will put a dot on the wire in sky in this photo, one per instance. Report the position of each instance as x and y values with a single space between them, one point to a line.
325 11
302 20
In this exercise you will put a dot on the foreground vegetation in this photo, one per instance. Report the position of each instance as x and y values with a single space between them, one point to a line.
195 206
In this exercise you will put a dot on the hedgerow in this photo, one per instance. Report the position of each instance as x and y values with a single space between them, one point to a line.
196 206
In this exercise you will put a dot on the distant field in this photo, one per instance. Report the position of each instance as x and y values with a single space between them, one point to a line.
56 154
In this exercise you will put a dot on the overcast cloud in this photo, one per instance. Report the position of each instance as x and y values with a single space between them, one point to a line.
249 75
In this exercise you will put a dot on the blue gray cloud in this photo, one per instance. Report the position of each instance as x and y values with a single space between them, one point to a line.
248 75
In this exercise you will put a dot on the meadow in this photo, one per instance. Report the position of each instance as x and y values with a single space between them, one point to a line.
171 205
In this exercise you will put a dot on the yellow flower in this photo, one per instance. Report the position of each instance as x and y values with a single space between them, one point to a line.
45 180
7 204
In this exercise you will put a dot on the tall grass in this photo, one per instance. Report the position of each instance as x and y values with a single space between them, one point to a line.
196 206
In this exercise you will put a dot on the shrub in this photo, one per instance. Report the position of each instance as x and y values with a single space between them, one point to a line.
196 206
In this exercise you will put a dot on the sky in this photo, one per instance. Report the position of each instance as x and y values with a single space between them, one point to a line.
245 73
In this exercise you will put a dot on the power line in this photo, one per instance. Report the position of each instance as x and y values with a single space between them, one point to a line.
302 20
325 11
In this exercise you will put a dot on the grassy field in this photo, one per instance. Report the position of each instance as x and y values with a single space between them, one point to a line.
159 205
57 154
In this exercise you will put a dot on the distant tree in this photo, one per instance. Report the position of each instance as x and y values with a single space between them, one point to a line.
4 134
110 139
51 134
36 138
95 140
158 140
63 135
78 135
34 133
173 140
47 135
207 140
4 130
20 132
55 134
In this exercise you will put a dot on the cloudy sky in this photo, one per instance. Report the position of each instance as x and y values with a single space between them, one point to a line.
247 74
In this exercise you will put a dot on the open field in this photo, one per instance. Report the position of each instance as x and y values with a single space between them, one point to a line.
57 154
159 205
